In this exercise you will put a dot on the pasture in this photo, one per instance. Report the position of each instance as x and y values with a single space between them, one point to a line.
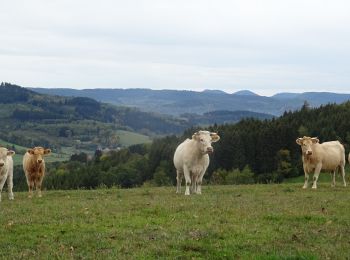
244 221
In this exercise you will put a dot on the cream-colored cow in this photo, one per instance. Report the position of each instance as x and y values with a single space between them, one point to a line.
328 156
34 168
6 170
191 160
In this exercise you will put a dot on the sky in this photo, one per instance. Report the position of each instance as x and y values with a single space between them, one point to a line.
265 46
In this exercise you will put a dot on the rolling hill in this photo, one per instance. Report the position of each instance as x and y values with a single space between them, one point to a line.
82 123
177 102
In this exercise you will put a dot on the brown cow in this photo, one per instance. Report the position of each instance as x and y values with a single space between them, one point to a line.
34 168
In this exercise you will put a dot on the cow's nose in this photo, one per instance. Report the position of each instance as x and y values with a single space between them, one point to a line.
309 152
40 161
210 149
1 164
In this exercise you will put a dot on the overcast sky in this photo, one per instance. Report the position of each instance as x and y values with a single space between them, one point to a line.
264 46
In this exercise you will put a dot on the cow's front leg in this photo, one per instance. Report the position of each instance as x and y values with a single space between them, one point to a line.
187 179
199 182
10 185
306 183
38 183
2 182
316 174
194 183
30 189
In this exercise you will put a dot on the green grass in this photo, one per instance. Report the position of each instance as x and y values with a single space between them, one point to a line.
128 138
226 222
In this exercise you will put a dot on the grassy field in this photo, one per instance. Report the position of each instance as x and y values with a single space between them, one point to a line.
226 222
128 138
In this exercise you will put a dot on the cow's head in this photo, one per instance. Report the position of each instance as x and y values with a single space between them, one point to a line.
38 153
204 140
306 144
3 155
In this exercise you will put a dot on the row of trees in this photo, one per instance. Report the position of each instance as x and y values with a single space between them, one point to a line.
250 151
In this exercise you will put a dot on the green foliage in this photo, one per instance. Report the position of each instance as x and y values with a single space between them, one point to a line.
234 176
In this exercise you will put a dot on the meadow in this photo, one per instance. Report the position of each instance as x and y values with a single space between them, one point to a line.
277 221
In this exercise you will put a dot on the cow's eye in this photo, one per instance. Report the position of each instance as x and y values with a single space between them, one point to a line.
201 140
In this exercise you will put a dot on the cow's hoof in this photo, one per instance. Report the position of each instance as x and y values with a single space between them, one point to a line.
40 195
304 187
314 187
30 196
11 198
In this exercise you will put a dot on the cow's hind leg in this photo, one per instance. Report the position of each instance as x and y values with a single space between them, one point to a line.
194 183
333 178
179 176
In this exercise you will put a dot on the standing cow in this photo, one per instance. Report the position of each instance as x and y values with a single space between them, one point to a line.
34 168
191 160
6 170
316 157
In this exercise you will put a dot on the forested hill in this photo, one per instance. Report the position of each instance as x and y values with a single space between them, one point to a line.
30 118
249 151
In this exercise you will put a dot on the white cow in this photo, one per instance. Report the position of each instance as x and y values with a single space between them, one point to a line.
6 170
191 160
316 157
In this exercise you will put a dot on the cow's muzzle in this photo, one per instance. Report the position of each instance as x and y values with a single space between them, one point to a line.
40 161
308 152
210 150
2 164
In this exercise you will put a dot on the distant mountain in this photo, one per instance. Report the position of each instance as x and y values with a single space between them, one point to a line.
245 93
214 91
315 99
177 102
286 95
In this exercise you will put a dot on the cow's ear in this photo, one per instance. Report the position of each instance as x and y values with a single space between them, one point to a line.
315 140
299 141
195 136
10 153
30 151
214 137
47 151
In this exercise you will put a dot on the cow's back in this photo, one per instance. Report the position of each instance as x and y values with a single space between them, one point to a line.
332 154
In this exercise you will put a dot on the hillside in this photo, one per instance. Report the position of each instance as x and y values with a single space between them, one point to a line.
177 102
29 118
225 222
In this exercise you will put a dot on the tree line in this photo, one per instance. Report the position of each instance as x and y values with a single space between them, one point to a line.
251 151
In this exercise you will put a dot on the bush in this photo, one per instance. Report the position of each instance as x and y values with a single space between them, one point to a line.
235 176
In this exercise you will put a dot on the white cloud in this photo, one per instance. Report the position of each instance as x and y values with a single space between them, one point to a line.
266 46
